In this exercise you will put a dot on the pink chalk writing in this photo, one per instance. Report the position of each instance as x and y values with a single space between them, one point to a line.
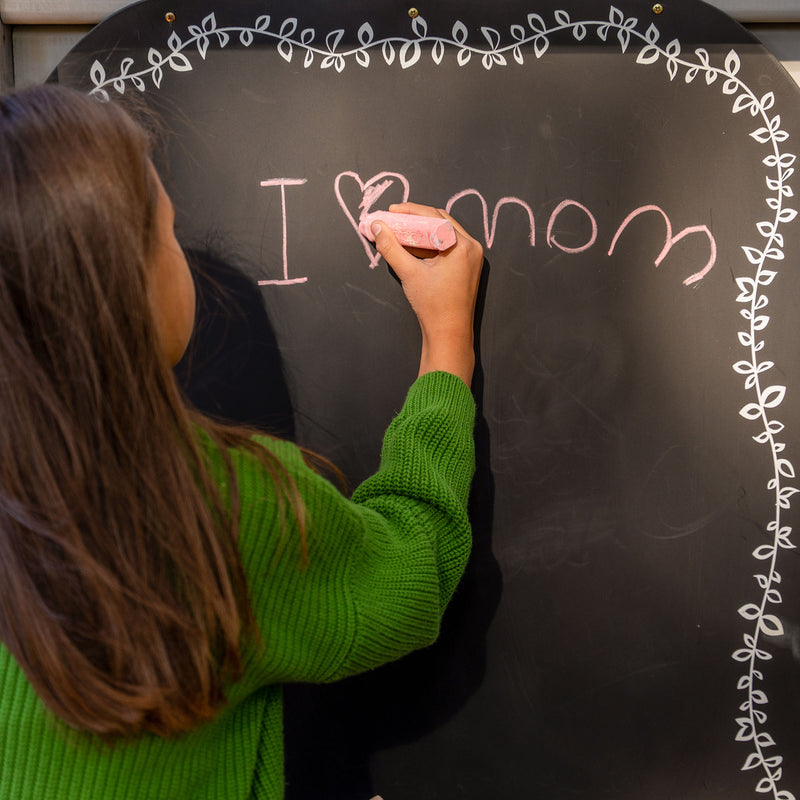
488 233
283 183
670 240
373 189
554 216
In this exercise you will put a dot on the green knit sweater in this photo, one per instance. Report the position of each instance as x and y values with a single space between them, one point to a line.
380 572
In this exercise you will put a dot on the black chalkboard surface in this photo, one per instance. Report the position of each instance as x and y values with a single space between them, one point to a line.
629 626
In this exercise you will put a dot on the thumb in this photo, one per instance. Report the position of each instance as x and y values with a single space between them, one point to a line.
396 256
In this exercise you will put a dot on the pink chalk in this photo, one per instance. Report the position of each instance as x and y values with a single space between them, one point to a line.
411 230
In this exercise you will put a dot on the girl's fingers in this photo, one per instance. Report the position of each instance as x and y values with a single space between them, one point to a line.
396 256
426 211
416 208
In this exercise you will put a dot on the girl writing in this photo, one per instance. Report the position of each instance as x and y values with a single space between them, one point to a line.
161 574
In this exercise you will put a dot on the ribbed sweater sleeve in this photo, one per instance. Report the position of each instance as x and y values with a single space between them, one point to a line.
381 565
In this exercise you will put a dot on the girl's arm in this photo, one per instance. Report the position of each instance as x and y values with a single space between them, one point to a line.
441 289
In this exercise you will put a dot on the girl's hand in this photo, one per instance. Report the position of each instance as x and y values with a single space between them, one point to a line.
442 289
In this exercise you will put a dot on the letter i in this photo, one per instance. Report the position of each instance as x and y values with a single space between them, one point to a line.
283 183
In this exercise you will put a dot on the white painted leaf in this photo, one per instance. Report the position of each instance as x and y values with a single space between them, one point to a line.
774 596
97 73
333 38
732 63
742 102
773 396
750 611
540 45
765 740
537 23
180 63
763 552
420 27
365 34
648 55
730 86
285 50
766 276
492 36
760 322
754 256
615 16
745 733
763 580
289 26
410 53
751 411
460 32
672 68
753 760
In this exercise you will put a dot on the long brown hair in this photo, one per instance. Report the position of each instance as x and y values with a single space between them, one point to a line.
122 594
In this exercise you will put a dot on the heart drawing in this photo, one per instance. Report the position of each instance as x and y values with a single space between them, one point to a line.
371 191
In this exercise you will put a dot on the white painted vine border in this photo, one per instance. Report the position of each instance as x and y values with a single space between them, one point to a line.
769 136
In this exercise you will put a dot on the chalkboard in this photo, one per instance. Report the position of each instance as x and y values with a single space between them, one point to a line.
629 625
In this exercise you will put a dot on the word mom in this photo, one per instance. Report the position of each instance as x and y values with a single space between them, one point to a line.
373 188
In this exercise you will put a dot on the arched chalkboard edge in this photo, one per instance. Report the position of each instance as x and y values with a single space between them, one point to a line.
406 52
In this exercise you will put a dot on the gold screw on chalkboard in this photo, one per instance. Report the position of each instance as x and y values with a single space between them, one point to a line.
413 13
169 17
658 8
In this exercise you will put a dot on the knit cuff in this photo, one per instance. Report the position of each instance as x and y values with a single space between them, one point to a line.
442 389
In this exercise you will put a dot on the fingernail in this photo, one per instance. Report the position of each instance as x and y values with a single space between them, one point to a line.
376 228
